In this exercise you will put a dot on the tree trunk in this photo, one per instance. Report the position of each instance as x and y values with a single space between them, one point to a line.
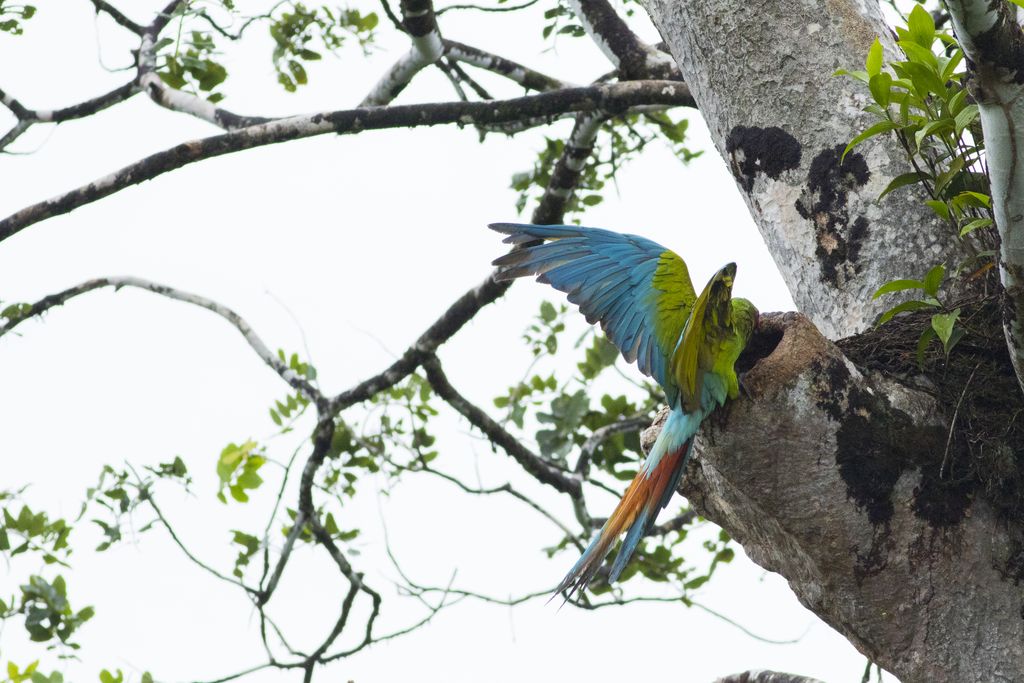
827 475
834 476
762 78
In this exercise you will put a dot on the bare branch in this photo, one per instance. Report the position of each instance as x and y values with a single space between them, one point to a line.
632 57
27 117
321 445
612 98
180 100
523 75
40 307
482 8
541 469
504 488
551 209
148 496
420 24
117 16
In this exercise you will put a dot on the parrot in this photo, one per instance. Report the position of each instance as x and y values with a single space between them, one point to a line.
641 294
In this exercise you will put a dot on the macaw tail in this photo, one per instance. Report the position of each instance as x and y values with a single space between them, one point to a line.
648 493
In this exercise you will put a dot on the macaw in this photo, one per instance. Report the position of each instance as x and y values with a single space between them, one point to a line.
641 294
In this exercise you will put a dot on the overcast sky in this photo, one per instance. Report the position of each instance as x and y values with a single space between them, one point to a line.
348 247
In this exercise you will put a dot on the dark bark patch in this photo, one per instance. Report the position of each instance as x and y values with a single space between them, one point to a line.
754 150
985 455
825 201
943 503
1002 46
876 443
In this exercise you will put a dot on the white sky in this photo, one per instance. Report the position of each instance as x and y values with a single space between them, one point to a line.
365 240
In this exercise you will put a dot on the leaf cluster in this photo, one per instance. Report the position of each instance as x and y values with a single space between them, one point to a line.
924 103
12 16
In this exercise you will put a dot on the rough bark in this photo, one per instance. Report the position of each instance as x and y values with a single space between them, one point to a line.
762 78
765 677
994 44
826 475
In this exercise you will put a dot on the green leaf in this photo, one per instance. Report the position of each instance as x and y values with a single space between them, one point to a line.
914 305
951 65
919 54
947 176
873 64
107 677
940 208
930 129
967 229
547 312
924 78
696 583
877 129
933 279
975 199
956 101
881 88
897 286
859 75
966 117
921 26
905 179
943 324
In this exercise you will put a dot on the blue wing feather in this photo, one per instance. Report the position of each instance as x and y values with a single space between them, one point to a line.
607 274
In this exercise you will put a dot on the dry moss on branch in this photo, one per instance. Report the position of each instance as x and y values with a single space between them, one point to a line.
978 390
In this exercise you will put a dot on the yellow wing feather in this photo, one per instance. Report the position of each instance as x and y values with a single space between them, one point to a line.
694 355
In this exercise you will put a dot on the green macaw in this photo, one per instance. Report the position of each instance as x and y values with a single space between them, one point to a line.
642 296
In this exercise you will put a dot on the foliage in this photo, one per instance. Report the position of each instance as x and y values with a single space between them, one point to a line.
301 34
12 16
618 142
191 64
943 323
923 101
568 407
298 31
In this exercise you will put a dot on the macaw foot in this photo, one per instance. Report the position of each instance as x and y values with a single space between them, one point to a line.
718 421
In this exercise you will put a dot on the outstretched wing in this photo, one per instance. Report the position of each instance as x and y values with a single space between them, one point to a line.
637 289
708 321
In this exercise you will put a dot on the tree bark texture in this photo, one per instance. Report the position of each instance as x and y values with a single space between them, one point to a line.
827 475
762 78
833 476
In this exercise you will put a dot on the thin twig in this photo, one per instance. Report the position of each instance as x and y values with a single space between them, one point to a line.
952 422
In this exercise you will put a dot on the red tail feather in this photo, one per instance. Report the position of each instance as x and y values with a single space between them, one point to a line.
647 494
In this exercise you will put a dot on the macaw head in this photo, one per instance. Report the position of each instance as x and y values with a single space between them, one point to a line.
745 319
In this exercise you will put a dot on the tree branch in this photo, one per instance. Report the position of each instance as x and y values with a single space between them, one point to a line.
40 307
118 16
322 437
420 24
613 98
633 58
540 469
523 75
994 45
27 117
